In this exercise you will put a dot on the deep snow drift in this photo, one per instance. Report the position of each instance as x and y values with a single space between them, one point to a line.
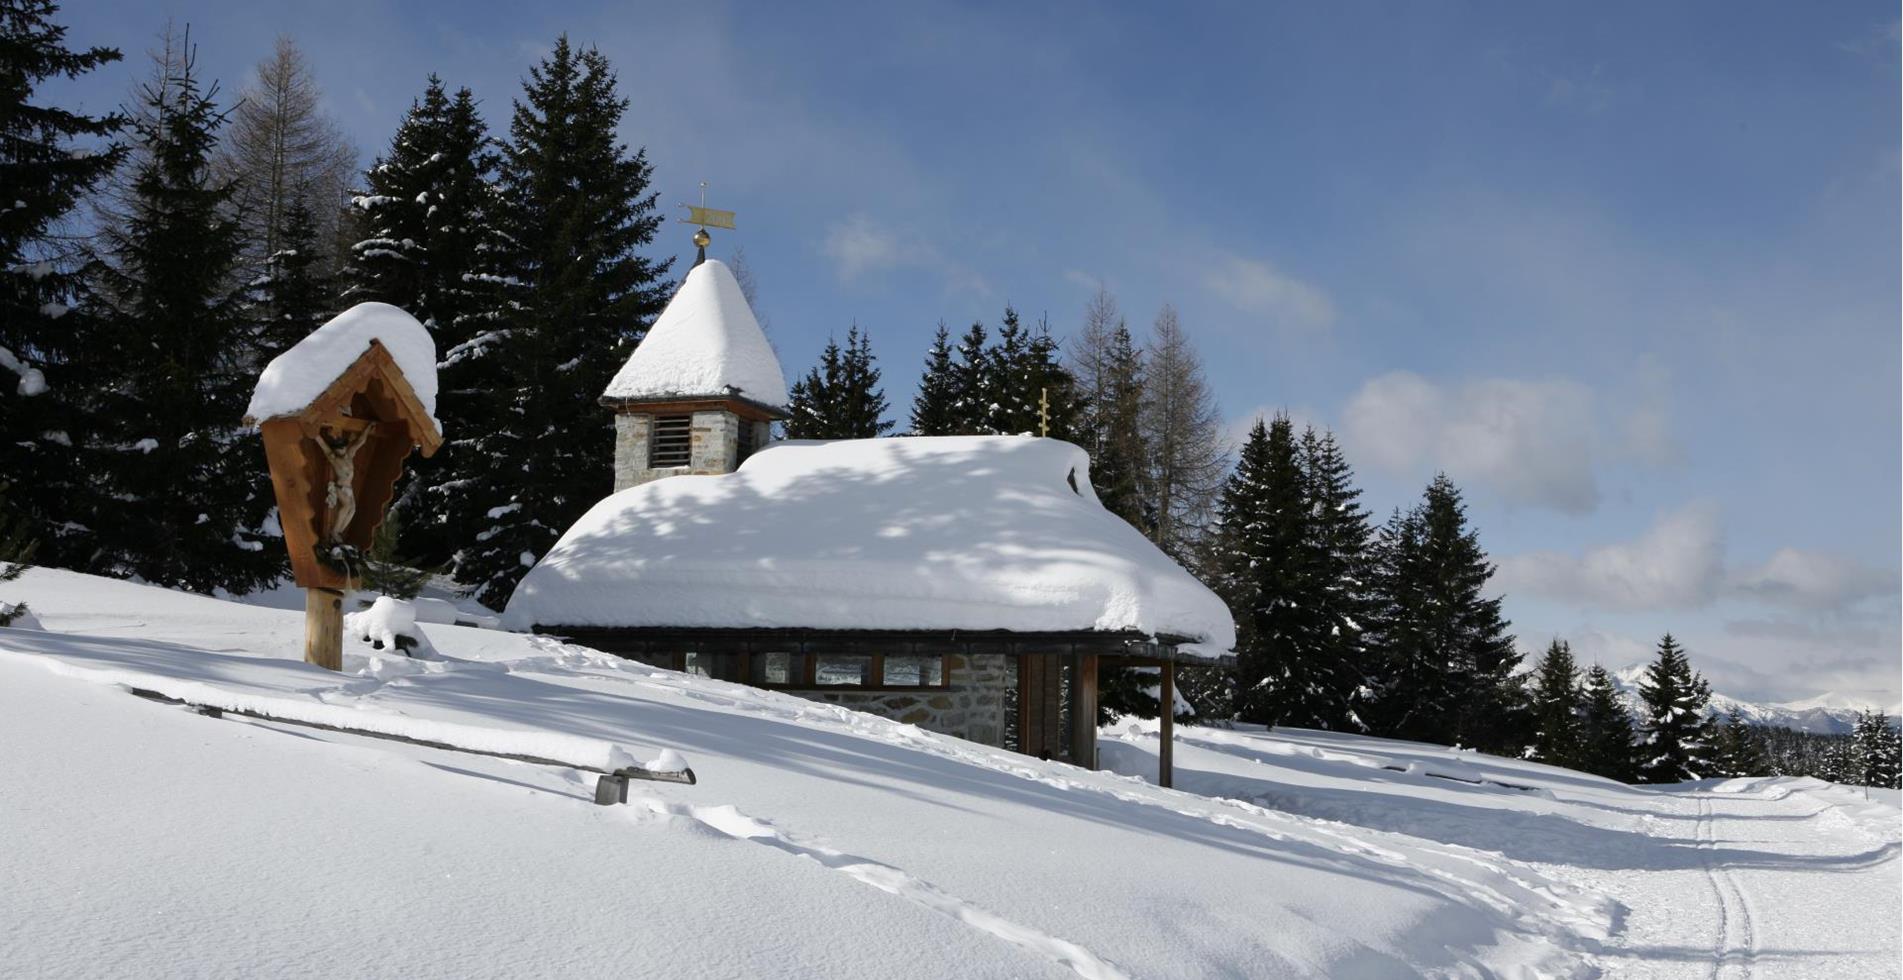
143 839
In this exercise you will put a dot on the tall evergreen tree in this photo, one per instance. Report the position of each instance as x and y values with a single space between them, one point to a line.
1676 741
1282 675
934 408
427 218
428 207
1879 752
840 397
576 206
1558 728
186 492
1740 749
1447 660
1605 730
974 386
1337 544
50 159
296 294
1109 379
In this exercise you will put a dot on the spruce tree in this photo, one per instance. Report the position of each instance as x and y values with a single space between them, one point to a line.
50 159
1740 749
1676 741
1447 662
575 207
934 408
1243 540
863 407
1286 673
813 401
296 294
428 206
1558 732
1336 540
1605 730
1008 404
429 246
973 386
1051 388
186 490
1878 751
1109 378
840 397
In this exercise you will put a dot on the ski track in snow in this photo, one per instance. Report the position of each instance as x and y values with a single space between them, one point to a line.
1736 946
729 821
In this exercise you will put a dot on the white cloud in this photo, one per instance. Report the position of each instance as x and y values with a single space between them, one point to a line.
1530 441
860 246
1678 563
1812 580
1257 287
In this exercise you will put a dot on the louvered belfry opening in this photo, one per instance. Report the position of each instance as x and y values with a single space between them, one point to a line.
672 442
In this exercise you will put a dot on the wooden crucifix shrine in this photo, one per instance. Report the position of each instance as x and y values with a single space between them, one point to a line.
334 466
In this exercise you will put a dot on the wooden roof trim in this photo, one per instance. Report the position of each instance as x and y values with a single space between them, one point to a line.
374 361
746 408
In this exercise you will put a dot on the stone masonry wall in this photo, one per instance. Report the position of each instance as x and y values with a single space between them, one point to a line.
971 707
631 449
716 443
714 447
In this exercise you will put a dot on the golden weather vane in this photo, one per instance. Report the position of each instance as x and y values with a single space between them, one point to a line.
706 218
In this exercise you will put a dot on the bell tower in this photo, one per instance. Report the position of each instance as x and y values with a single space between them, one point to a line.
701 392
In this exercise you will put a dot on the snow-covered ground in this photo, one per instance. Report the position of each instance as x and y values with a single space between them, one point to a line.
139 838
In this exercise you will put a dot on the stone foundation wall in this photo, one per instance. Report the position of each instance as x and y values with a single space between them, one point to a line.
971 707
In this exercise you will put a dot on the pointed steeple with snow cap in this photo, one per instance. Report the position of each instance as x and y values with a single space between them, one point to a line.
701 391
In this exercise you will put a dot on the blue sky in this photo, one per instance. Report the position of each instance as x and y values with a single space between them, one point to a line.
1628 272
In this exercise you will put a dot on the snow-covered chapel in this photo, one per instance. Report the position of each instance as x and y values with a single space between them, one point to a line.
966 584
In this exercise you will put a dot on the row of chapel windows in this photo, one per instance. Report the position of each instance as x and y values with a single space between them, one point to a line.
802 670
671 441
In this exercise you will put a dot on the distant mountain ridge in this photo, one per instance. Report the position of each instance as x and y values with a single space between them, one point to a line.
1825 714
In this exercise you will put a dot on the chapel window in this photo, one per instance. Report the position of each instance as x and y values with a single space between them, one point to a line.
670 442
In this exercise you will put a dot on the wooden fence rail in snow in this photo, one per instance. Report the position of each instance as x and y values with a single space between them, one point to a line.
610 789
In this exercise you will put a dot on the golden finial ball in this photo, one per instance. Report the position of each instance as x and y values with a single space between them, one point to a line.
701 238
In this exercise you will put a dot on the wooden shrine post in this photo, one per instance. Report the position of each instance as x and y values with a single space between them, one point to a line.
1083 712
334 465
1165 750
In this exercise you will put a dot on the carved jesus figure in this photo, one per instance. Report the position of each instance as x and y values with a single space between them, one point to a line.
340 497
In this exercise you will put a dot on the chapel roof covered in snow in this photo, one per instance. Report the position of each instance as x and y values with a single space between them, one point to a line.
930 533
705 344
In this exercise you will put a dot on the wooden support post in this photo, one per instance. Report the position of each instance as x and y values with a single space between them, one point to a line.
1165 750
324 628
1083 720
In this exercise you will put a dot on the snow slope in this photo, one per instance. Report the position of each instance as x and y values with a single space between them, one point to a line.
143 839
